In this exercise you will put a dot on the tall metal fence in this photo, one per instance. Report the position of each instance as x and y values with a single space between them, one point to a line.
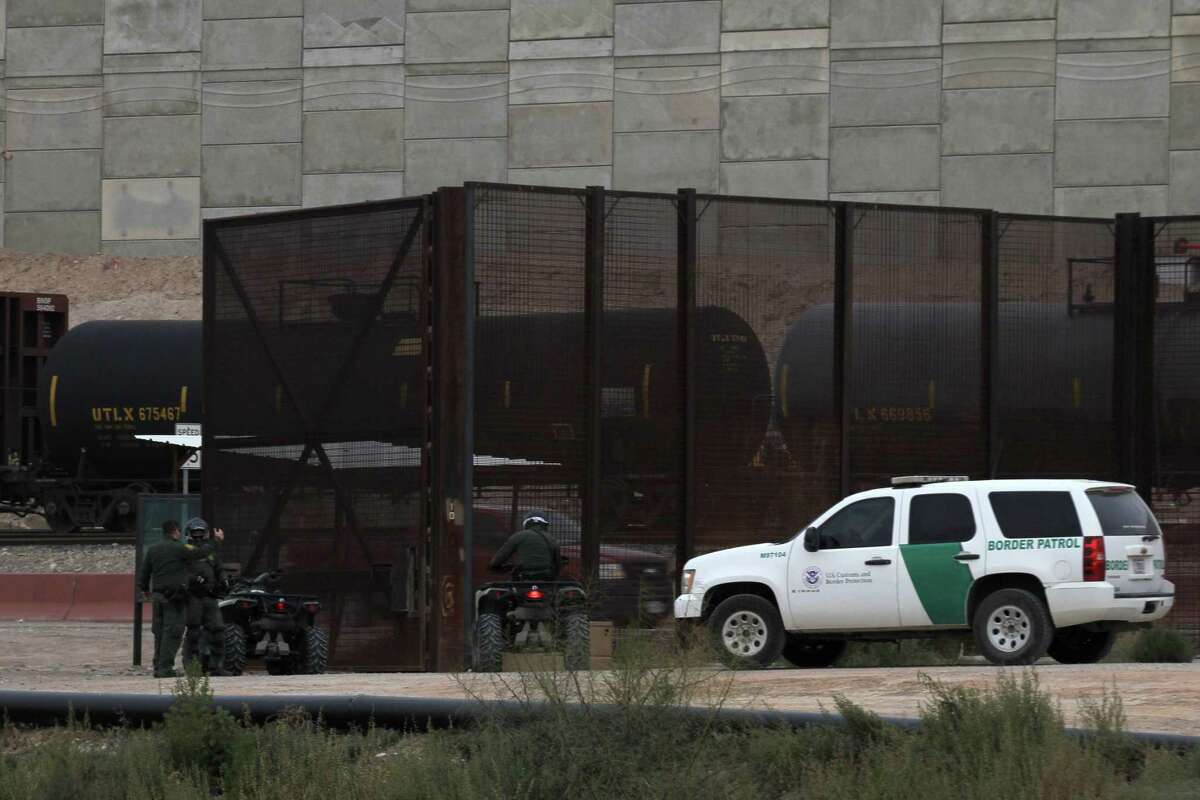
664 375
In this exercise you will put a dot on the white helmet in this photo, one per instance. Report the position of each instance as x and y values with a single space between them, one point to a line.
536 521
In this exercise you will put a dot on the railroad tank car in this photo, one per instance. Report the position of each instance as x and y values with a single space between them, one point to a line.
915 369
530 401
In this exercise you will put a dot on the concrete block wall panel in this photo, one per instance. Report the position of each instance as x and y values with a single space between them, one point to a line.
252 112
151 209
148 147
455 106
152 26
144 249
251 175
895 158
1086 106
1099 19
560 135
561 19
668 99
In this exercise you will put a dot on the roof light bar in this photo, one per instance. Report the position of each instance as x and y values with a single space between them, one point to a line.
921 480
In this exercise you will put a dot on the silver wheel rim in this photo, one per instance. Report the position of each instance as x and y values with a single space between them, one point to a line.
744 634
1009 629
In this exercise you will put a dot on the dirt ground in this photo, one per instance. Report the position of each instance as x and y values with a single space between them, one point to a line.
108 287
97 658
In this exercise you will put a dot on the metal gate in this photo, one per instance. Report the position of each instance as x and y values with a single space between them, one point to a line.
317 429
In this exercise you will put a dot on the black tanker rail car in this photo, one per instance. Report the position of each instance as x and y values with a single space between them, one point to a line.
102 384
530 386
907 379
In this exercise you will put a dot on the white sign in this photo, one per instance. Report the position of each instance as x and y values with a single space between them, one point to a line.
188 429
193 462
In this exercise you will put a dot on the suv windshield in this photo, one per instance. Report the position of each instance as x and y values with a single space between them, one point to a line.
1122 512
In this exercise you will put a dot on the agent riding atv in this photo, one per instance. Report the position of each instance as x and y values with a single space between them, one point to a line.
534 608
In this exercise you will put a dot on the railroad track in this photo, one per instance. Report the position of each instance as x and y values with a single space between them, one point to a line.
28 537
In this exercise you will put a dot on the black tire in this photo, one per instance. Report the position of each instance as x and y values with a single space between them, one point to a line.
489 643
577 633
1012 627
235 649
747 631
1076 645
312 657
801 652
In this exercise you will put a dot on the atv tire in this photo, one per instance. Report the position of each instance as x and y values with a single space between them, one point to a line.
489 643
235 649
577 641
312 656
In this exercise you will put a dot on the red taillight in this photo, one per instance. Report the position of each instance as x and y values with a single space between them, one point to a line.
312 606
1093 558
280 606
247 604
534 594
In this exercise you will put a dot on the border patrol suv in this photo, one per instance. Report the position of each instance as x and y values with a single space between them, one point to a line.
1029 566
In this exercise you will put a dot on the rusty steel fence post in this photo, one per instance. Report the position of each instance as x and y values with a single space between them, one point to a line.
686 316
989 318
454 412
843 327
593 371
1133 359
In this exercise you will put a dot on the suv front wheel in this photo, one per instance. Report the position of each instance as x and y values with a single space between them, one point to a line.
1012 626
748 631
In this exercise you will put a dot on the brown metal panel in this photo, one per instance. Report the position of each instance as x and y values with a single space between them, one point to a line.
453 390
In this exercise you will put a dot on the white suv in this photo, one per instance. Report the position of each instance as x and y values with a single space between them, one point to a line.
1030 566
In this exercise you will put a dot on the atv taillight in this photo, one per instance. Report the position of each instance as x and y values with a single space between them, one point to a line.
534 594
280 605
1093 558
312 607
247 604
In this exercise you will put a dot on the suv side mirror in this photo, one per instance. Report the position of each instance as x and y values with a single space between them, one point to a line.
812 540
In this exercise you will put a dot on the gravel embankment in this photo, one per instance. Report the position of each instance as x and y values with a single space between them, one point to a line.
108 558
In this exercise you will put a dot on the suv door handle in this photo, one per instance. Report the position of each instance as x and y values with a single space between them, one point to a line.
877 562
967 557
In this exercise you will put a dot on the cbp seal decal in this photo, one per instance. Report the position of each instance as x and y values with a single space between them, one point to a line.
813 577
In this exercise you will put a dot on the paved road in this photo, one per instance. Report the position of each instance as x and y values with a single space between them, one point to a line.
96 657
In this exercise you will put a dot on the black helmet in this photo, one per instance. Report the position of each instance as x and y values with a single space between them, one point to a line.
196 528
537 522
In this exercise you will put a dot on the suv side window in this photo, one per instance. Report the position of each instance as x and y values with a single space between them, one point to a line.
940 518
1031 515
867 523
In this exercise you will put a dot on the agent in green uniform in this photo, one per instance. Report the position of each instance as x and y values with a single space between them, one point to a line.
532 550
207 582
166 570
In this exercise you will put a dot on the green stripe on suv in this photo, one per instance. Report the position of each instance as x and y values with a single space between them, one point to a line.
941 582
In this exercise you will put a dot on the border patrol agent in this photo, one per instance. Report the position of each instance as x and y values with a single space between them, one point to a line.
166 569
206 582
535 552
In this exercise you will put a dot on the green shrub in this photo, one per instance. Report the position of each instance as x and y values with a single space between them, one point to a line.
1162 645
198 736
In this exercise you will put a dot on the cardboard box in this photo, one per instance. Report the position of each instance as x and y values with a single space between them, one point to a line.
532 662
601 638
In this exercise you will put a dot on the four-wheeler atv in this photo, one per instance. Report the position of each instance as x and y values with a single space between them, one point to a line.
543 615
280 628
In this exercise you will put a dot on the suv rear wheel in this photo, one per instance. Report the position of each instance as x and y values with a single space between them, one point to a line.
748 631
1012 626
1077 645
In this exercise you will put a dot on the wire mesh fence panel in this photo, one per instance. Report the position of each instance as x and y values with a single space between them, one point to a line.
315 370
641 407
1177 411
767 430
915 363
530 382
1054 383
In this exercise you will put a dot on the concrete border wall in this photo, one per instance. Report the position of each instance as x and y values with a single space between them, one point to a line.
126 122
